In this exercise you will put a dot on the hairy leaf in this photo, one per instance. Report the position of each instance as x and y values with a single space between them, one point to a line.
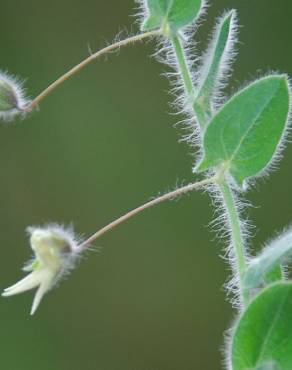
214 65
262 338
265 267
273 275
175 13
244 135
268 366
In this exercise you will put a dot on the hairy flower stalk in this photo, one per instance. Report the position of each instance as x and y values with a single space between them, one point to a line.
77 68
56 249
12 100
55 252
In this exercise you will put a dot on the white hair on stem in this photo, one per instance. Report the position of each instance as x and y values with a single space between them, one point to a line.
181 103
222 227
166 55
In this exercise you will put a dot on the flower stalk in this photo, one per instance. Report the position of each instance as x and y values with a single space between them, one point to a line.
169 196
108 49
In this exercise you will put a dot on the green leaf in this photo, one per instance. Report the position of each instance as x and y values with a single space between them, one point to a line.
262 339
273 275
174 13
268 366
157 10
244 135
265 268
214 65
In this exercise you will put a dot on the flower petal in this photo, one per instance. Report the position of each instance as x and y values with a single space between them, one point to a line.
43 288
29 282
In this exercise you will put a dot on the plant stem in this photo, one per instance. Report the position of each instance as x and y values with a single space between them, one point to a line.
125 217
236 236
183 67
185 72
84 63
228 199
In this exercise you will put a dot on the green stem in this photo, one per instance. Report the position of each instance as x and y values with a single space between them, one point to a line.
183 66
229 202
236 236
187 80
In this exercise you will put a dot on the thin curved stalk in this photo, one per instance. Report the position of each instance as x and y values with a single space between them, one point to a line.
169 196
130 40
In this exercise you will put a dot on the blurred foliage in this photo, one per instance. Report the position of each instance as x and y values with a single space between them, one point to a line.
104 143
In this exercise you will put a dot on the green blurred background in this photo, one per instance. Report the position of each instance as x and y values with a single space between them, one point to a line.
152 298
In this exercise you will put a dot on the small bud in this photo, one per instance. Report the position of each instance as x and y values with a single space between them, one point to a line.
12 101
55 250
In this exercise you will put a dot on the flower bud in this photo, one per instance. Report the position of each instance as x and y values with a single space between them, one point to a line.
55 250
12 101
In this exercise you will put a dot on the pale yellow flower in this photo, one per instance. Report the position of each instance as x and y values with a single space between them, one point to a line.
55 252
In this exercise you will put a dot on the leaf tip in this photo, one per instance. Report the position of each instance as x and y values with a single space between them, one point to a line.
230 14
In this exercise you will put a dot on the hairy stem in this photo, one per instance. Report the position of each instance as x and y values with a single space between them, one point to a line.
183 67
130 40
228 199
237 239
185 72
134 212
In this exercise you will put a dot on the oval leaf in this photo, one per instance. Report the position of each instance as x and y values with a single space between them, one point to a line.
262 338
245 134
175 13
